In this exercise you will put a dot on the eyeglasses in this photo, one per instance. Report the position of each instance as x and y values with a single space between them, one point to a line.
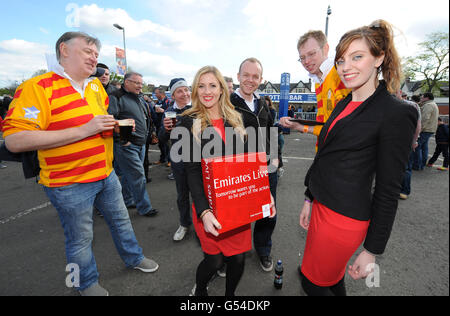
310 55
136 82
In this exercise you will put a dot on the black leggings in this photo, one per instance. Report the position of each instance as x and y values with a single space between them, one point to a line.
209 266
315 290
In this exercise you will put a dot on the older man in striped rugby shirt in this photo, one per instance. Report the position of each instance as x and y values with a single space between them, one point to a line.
63 115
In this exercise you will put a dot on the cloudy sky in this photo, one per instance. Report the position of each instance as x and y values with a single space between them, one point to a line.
175 38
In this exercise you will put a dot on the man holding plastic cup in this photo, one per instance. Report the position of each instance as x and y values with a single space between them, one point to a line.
127 104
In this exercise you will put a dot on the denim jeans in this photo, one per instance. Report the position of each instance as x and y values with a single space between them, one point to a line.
74 204
130 160
421 153
262 233
406 186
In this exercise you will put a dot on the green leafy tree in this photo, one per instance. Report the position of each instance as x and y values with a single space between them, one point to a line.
431 64
115 77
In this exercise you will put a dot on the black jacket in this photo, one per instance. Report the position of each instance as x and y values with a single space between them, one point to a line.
193 166
29 160
125 105
164 136
262 119
442 134
375 140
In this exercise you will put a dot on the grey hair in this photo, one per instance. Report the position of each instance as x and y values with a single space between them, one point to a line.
228 79
131 74
69 36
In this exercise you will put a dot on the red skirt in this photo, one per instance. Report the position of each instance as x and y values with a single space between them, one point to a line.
231 243
331 242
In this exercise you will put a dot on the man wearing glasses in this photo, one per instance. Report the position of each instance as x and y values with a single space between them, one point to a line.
313 50
127 103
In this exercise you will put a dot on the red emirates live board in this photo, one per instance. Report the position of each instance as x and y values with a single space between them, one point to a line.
237 188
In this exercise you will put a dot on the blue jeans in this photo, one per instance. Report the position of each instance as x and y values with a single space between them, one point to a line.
421 153
74 204
130 160
406 186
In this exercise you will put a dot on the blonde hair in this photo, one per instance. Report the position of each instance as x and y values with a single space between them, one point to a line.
200 113
379 36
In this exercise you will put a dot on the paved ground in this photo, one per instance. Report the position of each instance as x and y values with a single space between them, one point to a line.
32 260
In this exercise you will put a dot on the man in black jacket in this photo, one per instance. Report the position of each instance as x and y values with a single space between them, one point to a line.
161 106
127 103
255 114
105 79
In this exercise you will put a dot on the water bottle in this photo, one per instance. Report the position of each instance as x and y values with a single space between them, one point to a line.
278 282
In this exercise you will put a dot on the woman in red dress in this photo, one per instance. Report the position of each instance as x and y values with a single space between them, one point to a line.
211 113
368 136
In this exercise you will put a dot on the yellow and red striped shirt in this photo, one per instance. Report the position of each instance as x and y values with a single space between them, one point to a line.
50 103
329 93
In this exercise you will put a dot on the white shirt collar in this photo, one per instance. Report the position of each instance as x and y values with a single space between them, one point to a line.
55 66
176 107
250 104
255 94
325 68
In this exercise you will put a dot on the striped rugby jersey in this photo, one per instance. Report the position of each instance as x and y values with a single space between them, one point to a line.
50 103
329 93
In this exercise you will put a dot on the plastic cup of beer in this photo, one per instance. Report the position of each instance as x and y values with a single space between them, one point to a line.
173 116
126 130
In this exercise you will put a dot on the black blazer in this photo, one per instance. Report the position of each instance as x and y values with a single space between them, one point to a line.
193 166
262 119
375 140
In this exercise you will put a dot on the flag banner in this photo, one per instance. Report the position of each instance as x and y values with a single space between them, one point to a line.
121 62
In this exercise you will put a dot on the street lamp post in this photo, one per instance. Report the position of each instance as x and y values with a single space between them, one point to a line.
124 44
326 26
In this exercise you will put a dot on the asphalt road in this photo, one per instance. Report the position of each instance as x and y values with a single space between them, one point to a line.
32 258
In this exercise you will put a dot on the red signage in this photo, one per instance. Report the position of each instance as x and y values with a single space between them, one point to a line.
237 188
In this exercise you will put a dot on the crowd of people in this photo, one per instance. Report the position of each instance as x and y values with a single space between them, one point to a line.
367 134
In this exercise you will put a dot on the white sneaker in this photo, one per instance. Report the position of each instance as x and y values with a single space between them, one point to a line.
194 289
180 233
